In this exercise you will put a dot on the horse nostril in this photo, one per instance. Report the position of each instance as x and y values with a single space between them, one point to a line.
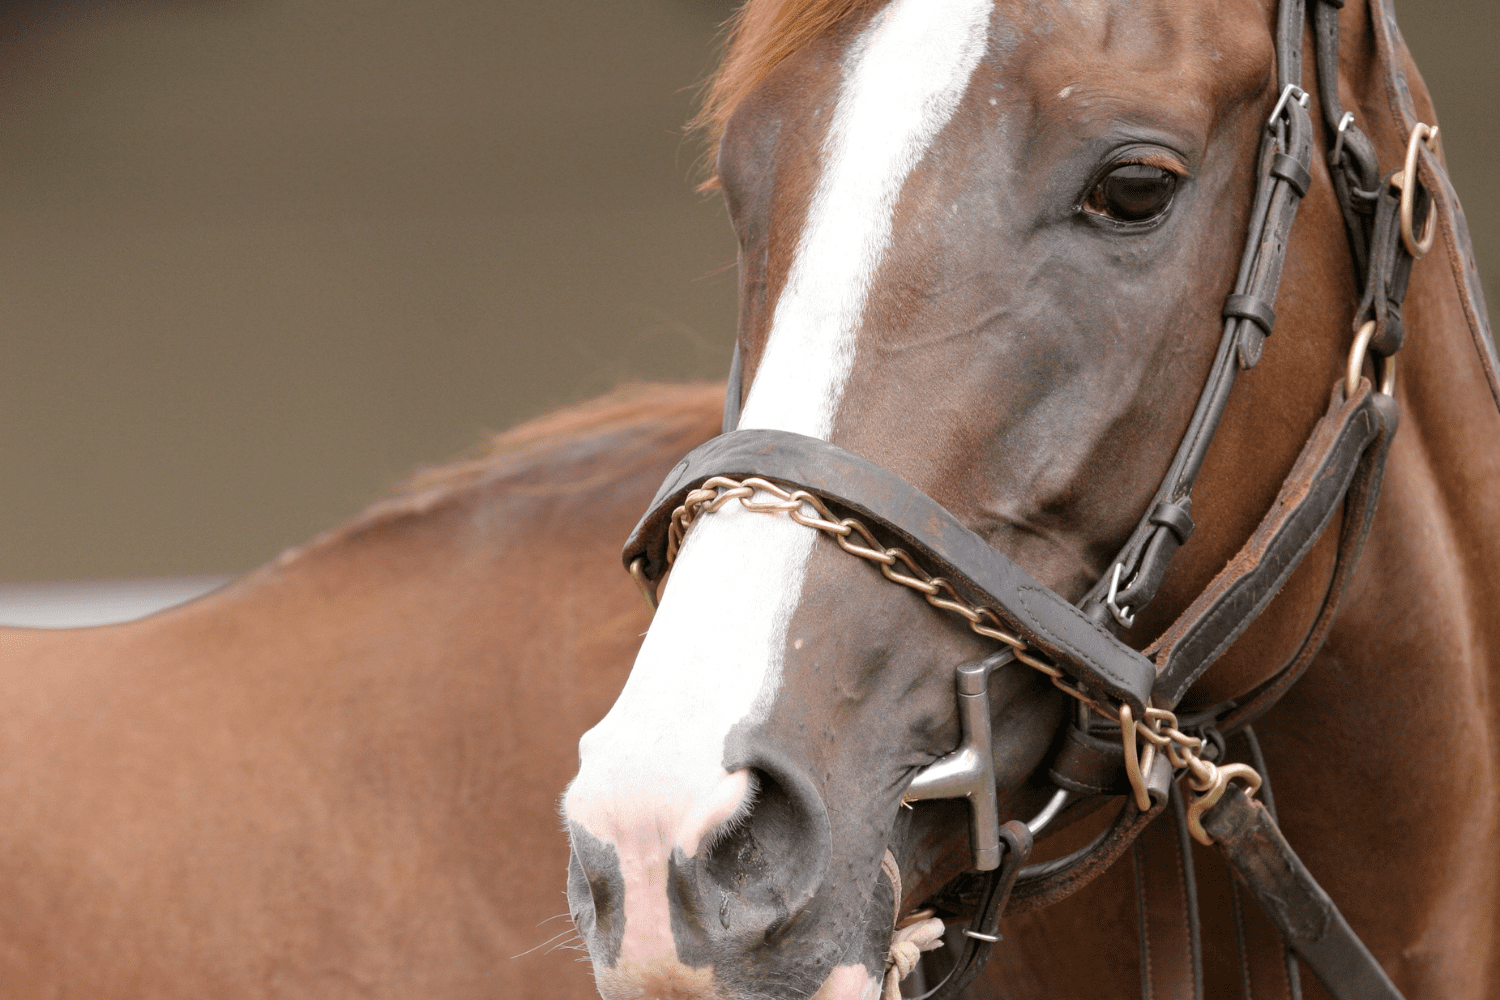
581 903
761 870
596 892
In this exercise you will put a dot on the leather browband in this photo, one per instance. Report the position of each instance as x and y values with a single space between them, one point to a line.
1040 616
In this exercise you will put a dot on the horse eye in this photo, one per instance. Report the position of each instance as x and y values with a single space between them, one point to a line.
1132 192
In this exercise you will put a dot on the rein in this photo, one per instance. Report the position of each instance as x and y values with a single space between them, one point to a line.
1127 738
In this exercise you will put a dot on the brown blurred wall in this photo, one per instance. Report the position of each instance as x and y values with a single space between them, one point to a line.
259 258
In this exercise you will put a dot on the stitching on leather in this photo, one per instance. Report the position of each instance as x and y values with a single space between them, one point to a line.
1182 882
1242 941
1234 596
1037 627
1138 857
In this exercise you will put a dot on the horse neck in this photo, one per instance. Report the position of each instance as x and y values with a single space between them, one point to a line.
1427 568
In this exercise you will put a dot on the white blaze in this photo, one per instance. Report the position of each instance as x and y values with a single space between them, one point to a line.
713 656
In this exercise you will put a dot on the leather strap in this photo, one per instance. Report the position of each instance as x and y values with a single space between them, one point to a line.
1359 513
1454 242
1043 884
1248 315
984 930
1313 490
1089 765
1352 163
1265 963
1248 838
1390 268
1166 895
1268 969
886 501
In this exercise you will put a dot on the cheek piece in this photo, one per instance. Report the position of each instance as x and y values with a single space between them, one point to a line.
1126 739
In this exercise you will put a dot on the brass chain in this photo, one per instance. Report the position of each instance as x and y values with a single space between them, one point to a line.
1156 733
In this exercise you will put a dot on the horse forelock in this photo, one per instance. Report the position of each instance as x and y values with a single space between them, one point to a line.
762 34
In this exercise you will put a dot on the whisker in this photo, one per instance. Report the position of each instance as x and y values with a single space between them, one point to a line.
554 937
572 945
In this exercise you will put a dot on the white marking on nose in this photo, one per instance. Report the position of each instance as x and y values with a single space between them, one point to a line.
652 774
718 813
904 77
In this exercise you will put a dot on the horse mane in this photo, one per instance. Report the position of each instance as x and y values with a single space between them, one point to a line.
629 405
532 455
761 34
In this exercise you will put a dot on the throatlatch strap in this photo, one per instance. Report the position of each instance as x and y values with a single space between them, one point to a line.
1073 641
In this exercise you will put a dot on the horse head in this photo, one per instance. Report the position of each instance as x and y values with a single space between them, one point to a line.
984 244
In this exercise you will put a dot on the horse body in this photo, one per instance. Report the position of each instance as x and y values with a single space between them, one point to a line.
921 285
339 775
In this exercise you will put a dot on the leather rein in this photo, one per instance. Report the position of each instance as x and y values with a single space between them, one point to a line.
1126 739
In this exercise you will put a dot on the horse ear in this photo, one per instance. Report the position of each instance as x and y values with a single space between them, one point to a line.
1393 111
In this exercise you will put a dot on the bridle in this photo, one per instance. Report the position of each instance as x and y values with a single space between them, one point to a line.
1126 738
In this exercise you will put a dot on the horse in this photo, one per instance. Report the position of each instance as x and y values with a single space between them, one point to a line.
1000 263
338 775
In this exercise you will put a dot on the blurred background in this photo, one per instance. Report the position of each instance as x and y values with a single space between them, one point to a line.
260 258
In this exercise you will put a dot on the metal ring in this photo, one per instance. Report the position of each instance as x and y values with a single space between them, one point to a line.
1049 812
1222 776
1407 181
1357 364
1357 358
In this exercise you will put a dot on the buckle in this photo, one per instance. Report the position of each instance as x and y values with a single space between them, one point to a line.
1290 92
1122 615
